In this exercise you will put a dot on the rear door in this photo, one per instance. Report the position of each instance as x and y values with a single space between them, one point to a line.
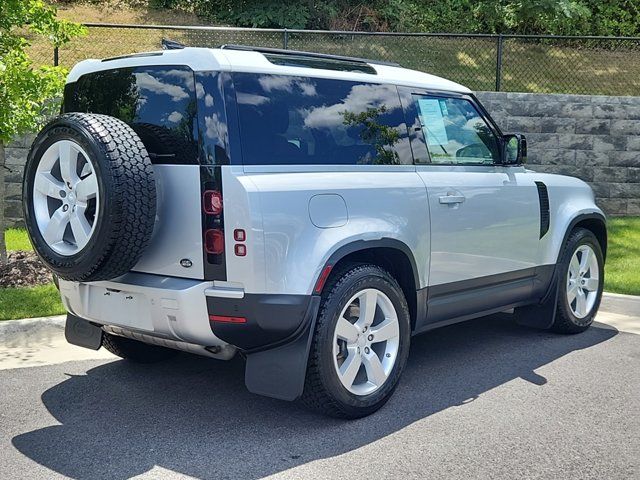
159 103
484 215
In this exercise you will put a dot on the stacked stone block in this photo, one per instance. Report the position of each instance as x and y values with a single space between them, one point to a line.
593 137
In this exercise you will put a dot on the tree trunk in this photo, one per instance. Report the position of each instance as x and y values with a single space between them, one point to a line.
3 245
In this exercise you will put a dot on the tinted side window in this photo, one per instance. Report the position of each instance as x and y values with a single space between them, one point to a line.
158 102
300 120
455 132
212 121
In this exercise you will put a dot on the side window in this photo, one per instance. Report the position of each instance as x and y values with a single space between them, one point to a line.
455 132
159 103
302 120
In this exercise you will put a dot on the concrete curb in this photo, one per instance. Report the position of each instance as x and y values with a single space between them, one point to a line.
628 305
20 332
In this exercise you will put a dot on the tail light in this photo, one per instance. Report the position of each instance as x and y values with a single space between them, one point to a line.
212 202
227 319
213 225
214 241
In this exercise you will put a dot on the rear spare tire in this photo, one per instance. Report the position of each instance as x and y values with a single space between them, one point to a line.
89 197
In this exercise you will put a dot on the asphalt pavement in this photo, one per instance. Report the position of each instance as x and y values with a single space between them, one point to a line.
482 399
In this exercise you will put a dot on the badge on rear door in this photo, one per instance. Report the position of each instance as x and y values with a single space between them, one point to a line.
186 263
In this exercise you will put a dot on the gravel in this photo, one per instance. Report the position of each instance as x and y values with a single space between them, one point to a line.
23 269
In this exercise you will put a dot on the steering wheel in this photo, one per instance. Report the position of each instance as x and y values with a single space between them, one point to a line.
475 150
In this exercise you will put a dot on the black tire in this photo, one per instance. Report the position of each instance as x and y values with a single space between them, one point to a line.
126 185
565 320
135 351
323 390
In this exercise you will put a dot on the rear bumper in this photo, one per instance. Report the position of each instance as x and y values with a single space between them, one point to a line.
165 307
275 335
182 309
263 320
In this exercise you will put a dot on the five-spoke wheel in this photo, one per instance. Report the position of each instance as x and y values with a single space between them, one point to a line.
89 197
580 280
65 197
361 342
583 281
365 344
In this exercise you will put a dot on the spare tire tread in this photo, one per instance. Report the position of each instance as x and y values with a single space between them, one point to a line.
132 197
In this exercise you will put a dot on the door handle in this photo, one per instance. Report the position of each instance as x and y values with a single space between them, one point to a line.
451 199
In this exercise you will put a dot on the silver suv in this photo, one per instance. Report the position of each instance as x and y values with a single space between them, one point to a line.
311 212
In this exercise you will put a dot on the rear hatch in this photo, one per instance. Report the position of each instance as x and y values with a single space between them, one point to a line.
161 103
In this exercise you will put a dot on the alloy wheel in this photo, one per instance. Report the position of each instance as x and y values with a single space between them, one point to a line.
66 197
366 342
583 281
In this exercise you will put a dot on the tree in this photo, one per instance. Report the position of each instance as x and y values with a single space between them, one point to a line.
26 93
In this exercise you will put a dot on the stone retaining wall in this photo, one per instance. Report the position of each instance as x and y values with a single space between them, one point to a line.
595 138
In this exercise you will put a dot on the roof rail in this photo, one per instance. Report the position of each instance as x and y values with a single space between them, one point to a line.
328 56
171 44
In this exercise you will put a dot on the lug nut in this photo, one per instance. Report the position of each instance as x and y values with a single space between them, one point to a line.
65 208
370 337
63 193
366 350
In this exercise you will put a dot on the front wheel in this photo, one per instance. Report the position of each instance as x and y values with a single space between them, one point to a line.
360 345
581 280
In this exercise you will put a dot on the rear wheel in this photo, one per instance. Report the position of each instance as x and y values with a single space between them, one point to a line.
360 345
134 350
580 284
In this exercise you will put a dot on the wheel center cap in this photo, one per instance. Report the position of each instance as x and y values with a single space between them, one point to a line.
362 341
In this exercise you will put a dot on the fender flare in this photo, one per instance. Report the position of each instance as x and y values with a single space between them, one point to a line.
580 218
361 245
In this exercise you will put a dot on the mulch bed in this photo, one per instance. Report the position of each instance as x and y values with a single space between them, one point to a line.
24 269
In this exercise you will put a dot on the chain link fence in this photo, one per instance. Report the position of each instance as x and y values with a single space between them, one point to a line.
512 63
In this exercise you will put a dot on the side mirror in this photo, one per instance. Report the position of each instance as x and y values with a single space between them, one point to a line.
514 149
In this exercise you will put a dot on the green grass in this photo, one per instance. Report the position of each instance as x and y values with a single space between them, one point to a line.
40 301
622 274
622 270
17 239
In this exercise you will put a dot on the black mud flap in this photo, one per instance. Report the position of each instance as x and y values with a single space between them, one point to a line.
543 314
279 372
83 333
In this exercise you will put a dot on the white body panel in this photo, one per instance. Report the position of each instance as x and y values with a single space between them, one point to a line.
176 234
290 249
569 198
494 229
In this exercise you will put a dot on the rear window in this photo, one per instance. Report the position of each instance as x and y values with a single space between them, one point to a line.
158 102
289 120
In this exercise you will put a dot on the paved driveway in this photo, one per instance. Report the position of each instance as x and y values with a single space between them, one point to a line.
483 399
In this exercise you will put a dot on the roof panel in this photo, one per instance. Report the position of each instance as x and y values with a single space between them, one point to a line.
206 59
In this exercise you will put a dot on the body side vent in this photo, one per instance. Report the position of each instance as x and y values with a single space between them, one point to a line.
545 216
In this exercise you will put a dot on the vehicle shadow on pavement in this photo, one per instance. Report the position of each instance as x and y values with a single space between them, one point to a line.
194 416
